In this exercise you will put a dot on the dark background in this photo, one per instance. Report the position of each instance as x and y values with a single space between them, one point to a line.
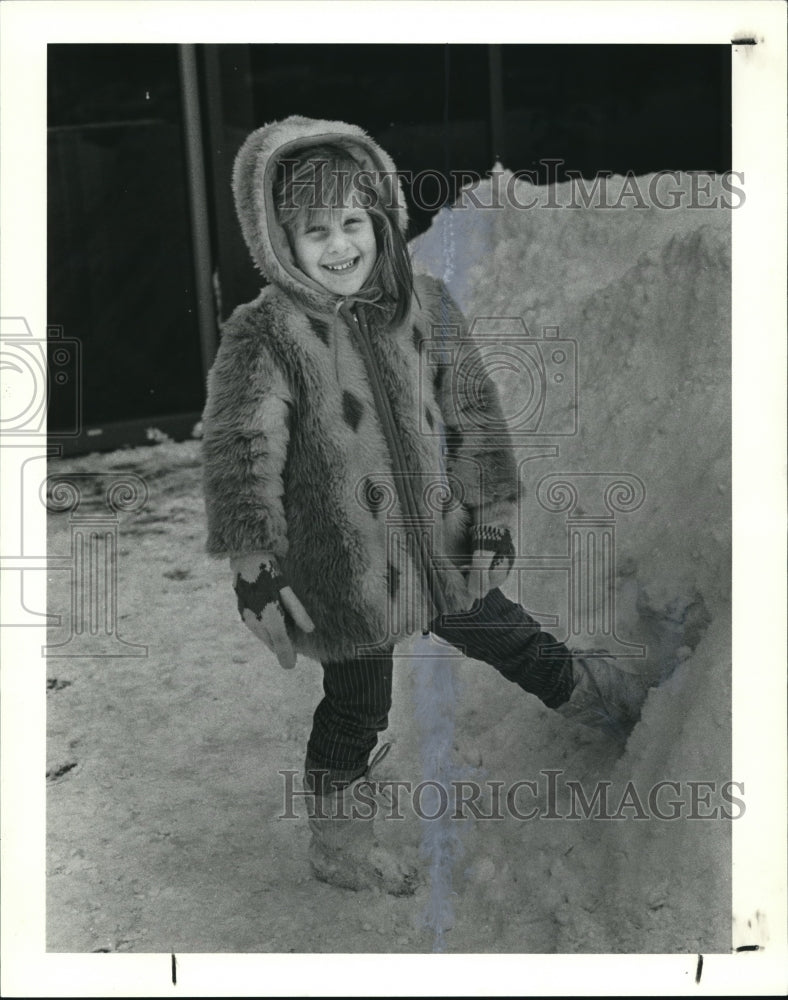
121 256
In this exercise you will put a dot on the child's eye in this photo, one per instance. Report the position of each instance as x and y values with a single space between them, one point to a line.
315 229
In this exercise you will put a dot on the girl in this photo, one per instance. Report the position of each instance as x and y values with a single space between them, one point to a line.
359 474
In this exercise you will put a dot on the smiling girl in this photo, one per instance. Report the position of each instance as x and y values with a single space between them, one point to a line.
342 481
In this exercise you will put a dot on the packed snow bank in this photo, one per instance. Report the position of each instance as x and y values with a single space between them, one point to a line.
645 294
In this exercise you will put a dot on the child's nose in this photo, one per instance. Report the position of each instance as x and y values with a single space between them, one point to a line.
337 240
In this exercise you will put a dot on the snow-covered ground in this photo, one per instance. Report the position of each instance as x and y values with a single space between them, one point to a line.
165 791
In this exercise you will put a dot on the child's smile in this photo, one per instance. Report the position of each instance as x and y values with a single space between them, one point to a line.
337 249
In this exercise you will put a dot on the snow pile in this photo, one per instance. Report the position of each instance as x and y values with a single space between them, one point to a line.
645 293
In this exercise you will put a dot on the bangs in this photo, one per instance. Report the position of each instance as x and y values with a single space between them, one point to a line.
322 182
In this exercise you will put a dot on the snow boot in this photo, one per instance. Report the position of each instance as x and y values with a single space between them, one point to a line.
345 851
605 695
609 693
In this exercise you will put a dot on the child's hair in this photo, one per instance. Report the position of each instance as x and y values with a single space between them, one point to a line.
325 177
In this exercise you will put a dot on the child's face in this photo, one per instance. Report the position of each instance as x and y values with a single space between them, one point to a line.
337 248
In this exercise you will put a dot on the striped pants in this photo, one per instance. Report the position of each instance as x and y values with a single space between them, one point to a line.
358 692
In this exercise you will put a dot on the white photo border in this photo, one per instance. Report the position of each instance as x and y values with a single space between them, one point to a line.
759 316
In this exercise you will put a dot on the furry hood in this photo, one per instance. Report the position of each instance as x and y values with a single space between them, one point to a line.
253 178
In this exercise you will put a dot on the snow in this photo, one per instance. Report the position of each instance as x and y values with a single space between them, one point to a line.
164 834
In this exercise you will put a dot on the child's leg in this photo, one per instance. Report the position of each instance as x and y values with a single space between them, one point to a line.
346 722
346 849
503 634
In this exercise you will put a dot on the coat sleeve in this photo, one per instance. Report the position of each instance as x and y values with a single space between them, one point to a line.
245 440
478 444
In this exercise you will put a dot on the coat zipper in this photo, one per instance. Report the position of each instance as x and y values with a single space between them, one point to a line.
402 480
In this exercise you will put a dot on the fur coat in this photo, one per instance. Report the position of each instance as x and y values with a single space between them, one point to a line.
296 460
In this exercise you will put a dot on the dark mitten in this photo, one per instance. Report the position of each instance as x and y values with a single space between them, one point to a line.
497 543
263 600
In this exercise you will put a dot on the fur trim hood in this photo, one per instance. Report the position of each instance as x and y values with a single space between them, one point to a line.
253 179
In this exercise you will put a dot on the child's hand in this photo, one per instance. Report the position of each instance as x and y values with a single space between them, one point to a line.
486 572
263 599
